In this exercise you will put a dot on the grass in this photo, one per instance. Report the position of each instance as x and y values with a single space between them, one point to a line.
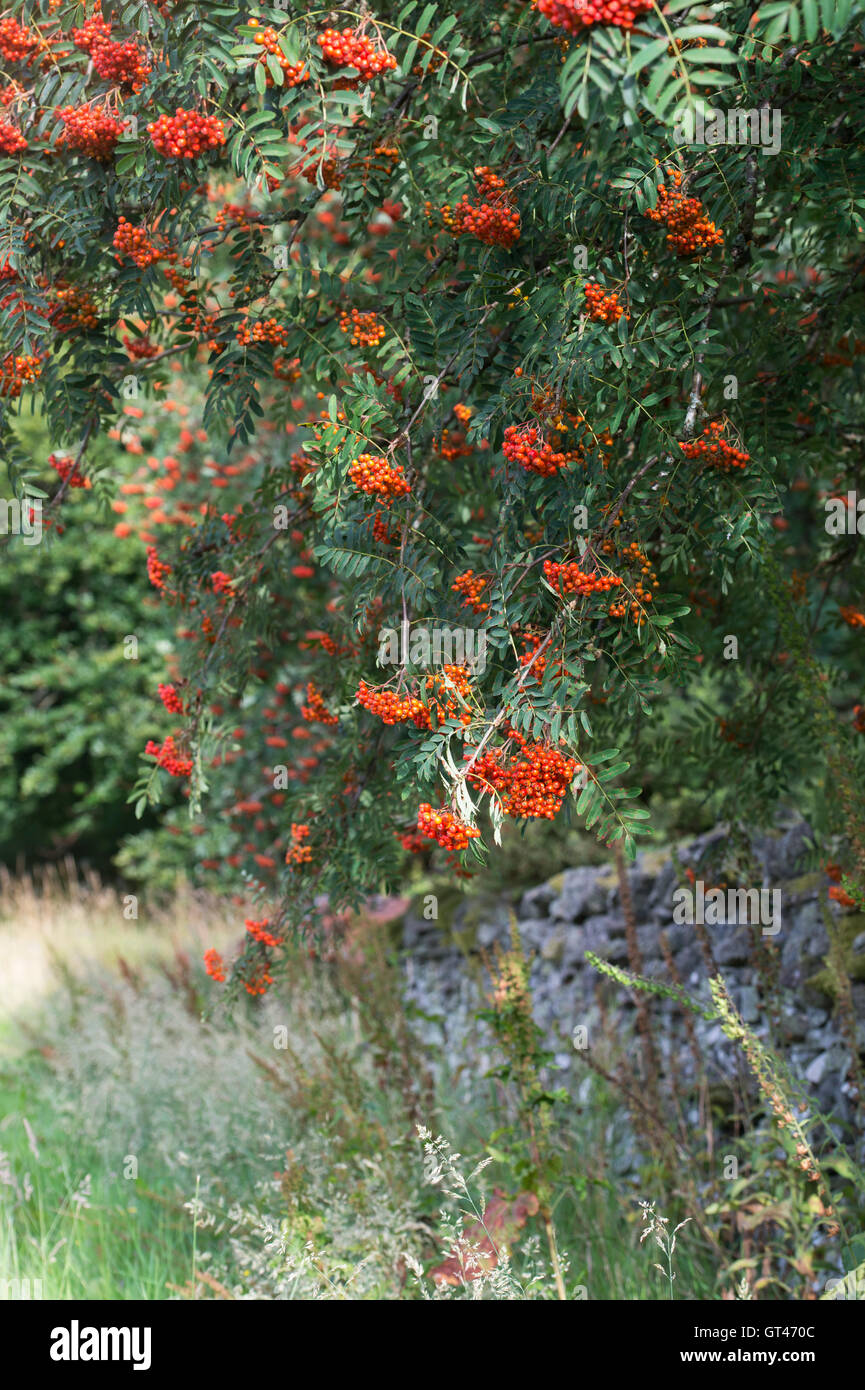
155 1145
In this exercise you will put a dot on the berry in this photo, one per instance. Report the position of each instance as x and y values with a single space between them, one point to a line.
315 711
268 40
351 50
445 828
214 964
532 785
575 15
690 233
373 474
471 586
135 244
366 330
16 43
569 578
495 220
67 469
74 309
157 570
170 698
602 307
298 852
11 139
16 371
123 64
168 757
90 130
265 331
715 449
527 446
258 931
186 134
444 691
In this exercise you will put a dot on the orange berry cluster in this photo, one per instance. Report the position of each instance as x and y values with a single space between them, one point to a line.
298 852
452 445
330 171
568 578
531 641
11 139
365 328
259 981
74 309
66 468
90 130
222 583
214 964
169 758
140 348
95 30
575 15
852 616
374 475
689 231
836 892
602 307
715 449
258 931
643 587
527 446
351 50
534 786
124 64
16 370
135 243
445 828
411 840
315 711
838 895
391 707
268 39
157 570
442 690
16 42
265 331
382 533
471 586
494 220
186 134
170 698
859 718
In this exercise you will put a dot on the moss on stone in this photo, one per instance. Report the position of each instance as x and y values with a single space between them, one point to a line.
847 929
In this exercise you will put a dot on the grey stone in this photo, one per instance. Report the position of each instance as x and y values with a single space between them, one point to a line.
536 901
534 932
748 1004
731 947
581 895
815 1071
579 911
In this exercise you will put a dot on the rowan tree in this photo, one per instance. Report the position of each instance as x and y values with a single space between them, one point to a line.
425 317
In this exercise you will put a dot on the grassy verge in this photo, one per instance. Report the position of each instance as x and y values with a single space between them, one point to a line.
155 1145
